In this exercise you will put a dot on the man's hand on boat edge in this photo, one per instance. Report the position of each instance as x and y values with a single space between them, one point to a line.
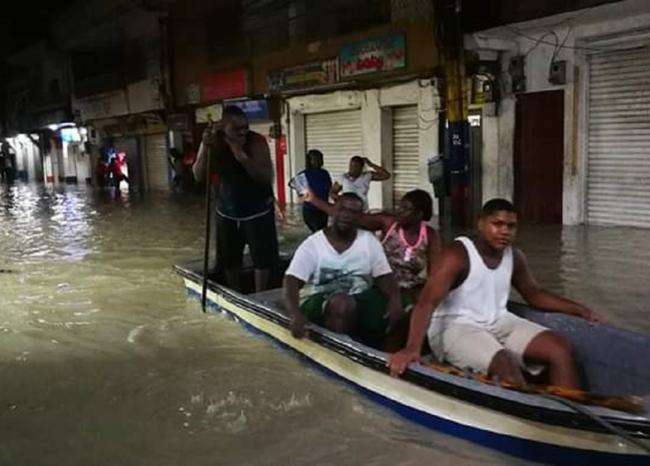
298 326
593 317
398 362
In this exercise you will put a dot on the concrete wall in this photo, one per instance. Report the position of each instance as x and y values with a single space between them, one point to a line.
376 114
581 32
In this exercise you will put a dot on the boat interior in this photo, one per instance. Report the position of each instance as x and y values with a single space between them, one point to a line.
611 361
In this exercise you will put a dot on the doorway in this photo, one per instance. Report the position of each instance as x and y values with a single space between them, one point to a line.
538 156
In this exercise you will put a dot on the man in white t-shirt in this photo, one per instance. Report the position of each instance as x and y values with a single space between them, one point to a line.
351 288
358 181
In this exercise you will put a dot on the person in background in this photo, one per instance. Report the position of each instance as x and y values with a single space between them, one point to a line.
320 184
351 289
409 243
244 200
2 165
8 161
101 171
176 164
357 181
117 169
188 160
467 292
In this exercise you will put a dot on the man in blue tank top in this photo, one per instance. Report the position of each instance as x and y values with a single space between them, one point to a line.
244 202
320 183
467 292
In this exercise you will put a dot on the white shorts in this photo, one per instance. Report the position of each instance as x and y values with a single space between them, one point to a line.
471 346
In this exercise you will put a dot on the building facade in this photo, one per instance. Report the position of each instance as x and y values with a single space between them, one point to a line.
347 78
566 129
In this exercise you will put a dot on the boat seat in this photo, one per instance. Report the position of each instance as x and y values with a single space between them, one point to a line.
272 298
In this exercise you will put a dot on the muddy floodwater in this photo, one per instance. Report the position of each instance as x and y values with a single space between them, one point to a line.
104 361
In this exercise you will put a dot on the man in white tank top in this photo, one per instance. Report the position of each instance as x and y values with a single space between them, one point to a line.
467 291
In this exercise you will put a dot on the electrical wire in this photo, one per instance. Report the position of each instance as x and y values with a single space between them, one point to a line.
525 36
539 41
558 49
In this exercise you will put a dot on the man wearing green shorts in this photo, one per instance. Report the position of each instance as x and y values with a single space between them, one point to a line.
351 288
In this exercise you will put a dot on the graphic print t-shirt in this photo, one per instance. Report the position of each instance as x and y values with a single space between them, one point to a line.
324 270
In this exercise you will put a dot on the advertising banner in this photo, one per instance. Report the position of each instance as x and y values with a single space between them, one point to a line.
306 75
377 55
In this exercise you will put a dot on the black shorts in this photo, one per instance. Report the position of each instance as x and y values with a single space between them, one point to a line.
260 235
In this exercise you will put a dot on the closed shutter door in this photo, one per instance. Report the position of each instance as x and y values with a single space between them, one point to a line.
406 176
157 161
338 136
264 129
618 177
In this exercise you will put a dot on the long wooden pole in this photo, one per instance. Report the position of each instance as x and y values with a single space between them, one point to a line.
206 249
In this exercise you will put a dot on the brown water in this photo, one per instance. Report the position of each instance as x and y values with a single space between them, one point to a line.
103 360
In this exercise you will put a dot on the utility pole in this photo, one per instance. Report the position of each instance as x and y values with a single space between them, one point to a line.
450 43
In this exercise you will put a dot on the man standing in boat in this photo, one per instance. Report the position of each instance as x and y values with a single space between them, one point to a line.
467 291
351 286
244 199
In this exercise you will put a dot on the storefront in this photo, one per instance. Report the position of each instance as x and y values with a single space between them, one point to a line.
395 126
596 86
74 164
29 166
141 140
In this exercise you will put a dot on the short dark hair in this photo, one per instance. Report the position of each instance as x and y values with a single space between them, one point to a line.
234 111
496 205
314 153
421 201
358 159
352 196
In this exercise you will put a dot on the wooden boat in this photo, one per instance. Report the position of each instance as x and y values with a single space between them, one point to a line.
526 425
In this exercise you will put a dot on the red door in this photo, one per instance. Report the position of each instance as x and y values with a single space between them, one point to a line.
538 156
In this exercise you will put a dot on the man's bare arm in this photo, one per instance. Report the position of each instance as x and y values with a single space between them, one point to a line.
446 268
535 295
257 162
379 173
291 290
335 190
389 287
371 222
198 169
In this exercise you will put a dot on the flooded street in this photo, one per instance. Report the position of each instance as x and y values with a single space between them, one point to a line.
104 361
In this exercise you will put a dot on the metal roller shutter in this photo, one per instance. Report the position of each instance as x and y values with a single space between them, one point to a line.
157 162
263 129
618 178
405 151
338 135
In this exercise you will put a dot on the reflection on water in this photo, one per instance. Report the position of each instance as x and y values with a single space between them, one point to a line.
104 361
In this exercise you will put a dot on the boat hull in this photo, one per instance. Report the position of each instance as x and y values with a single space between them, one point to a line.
514 435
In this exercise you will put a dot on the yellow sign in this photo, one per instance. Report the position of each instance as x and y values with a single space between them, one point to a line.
211 112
